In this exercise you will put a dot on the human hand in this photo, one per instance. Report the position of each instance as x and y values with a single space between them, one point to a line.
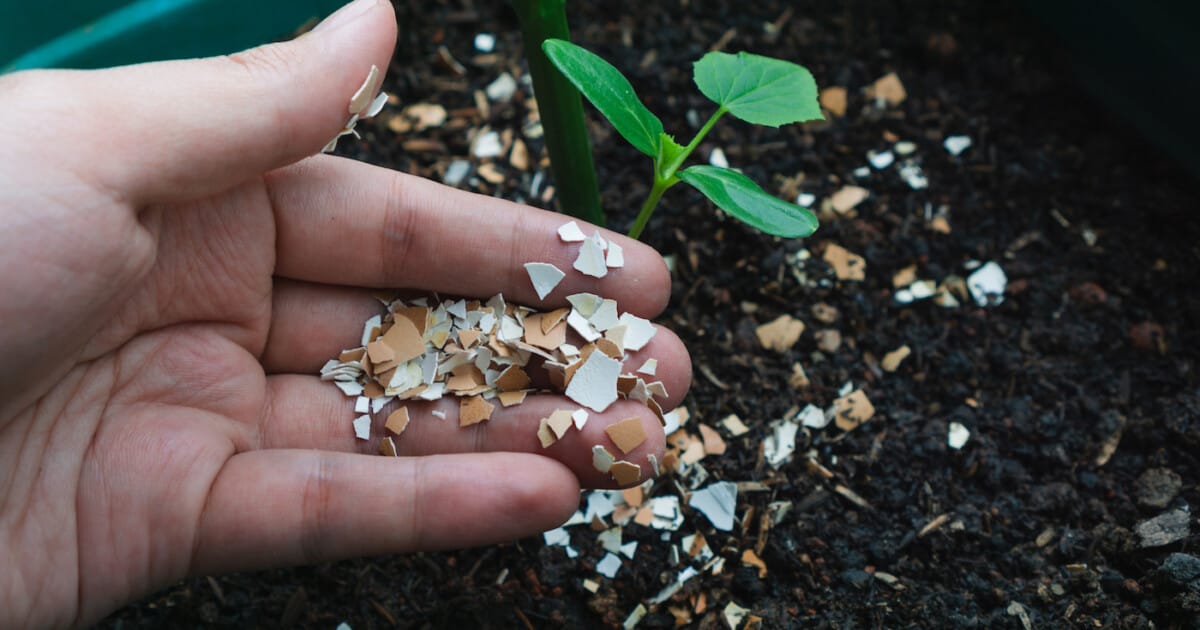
175 272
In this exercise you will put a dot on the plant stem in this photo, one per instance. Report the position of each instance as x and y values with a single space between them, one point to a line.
561 110
691 146
656 193
664 178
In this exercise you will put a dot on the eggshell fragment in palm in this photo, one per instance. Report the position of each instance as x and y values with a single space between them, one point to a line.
397 421
473 410
376 105
591 260
545 434
615 258
559 422
602 460
626 473
585 303
362 427
605 316
569 232
362 97
627 434
638 331
594 384
544 277
508 399
582 326
580 418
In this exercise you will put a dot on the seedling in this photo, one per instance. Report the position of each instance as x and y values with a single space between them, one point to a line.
756 89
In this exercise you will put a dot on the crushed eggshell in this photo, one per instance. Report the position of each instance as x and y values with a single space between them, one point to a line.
987 285
812 417
957 436
780 334
545 434
781 443
638 331
750 558
847 198
614 258
602 460
508 399
473 410
397 421
891 361
847 265
880 159
904 277
889 89
852 410
833 99
594 384
479 352
635 615
569 232
649 367
502 88
626 473
627 434
734 425
559 422
418 117
609 565
362 427
716 502
955 145
591 259
366 92
713 444
544 277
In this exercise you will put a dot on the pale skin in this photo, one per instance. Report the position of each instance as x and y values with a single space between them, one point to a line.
175 268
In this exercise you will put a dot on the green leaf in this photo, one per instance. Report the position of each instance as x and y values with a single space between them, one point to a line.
758 89
739 196
609 91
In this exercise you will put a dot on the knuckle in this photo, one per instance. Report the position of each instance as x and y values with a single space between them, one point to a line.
271 60
315 512
400 226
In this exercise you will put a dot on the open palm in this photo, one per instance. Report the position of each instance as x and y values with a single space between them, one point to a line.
173 278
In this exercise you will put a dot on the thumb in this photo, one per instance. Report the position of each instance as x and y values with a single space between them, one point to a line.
181 129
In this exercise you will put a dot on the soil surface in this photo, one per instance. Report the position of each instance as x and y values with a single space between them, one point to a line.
1080 391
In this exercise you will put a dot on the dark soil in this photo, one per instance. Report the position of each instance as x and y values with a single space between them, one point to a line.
1094 344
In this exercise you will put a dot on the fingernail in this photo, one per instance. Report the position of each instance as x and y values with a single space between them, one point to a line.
346 14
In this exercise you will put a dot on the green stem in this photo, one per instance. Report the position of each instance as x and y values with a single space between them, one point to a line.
561 110
664 178
691 146
656 193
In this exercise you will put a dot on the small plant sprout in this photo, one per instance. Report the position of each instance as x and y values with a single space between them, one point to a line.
756 89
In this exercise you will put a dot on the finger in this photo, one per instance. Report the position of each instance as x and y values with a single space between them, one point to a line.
306 413
341 222
284 507
183 129
312 323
